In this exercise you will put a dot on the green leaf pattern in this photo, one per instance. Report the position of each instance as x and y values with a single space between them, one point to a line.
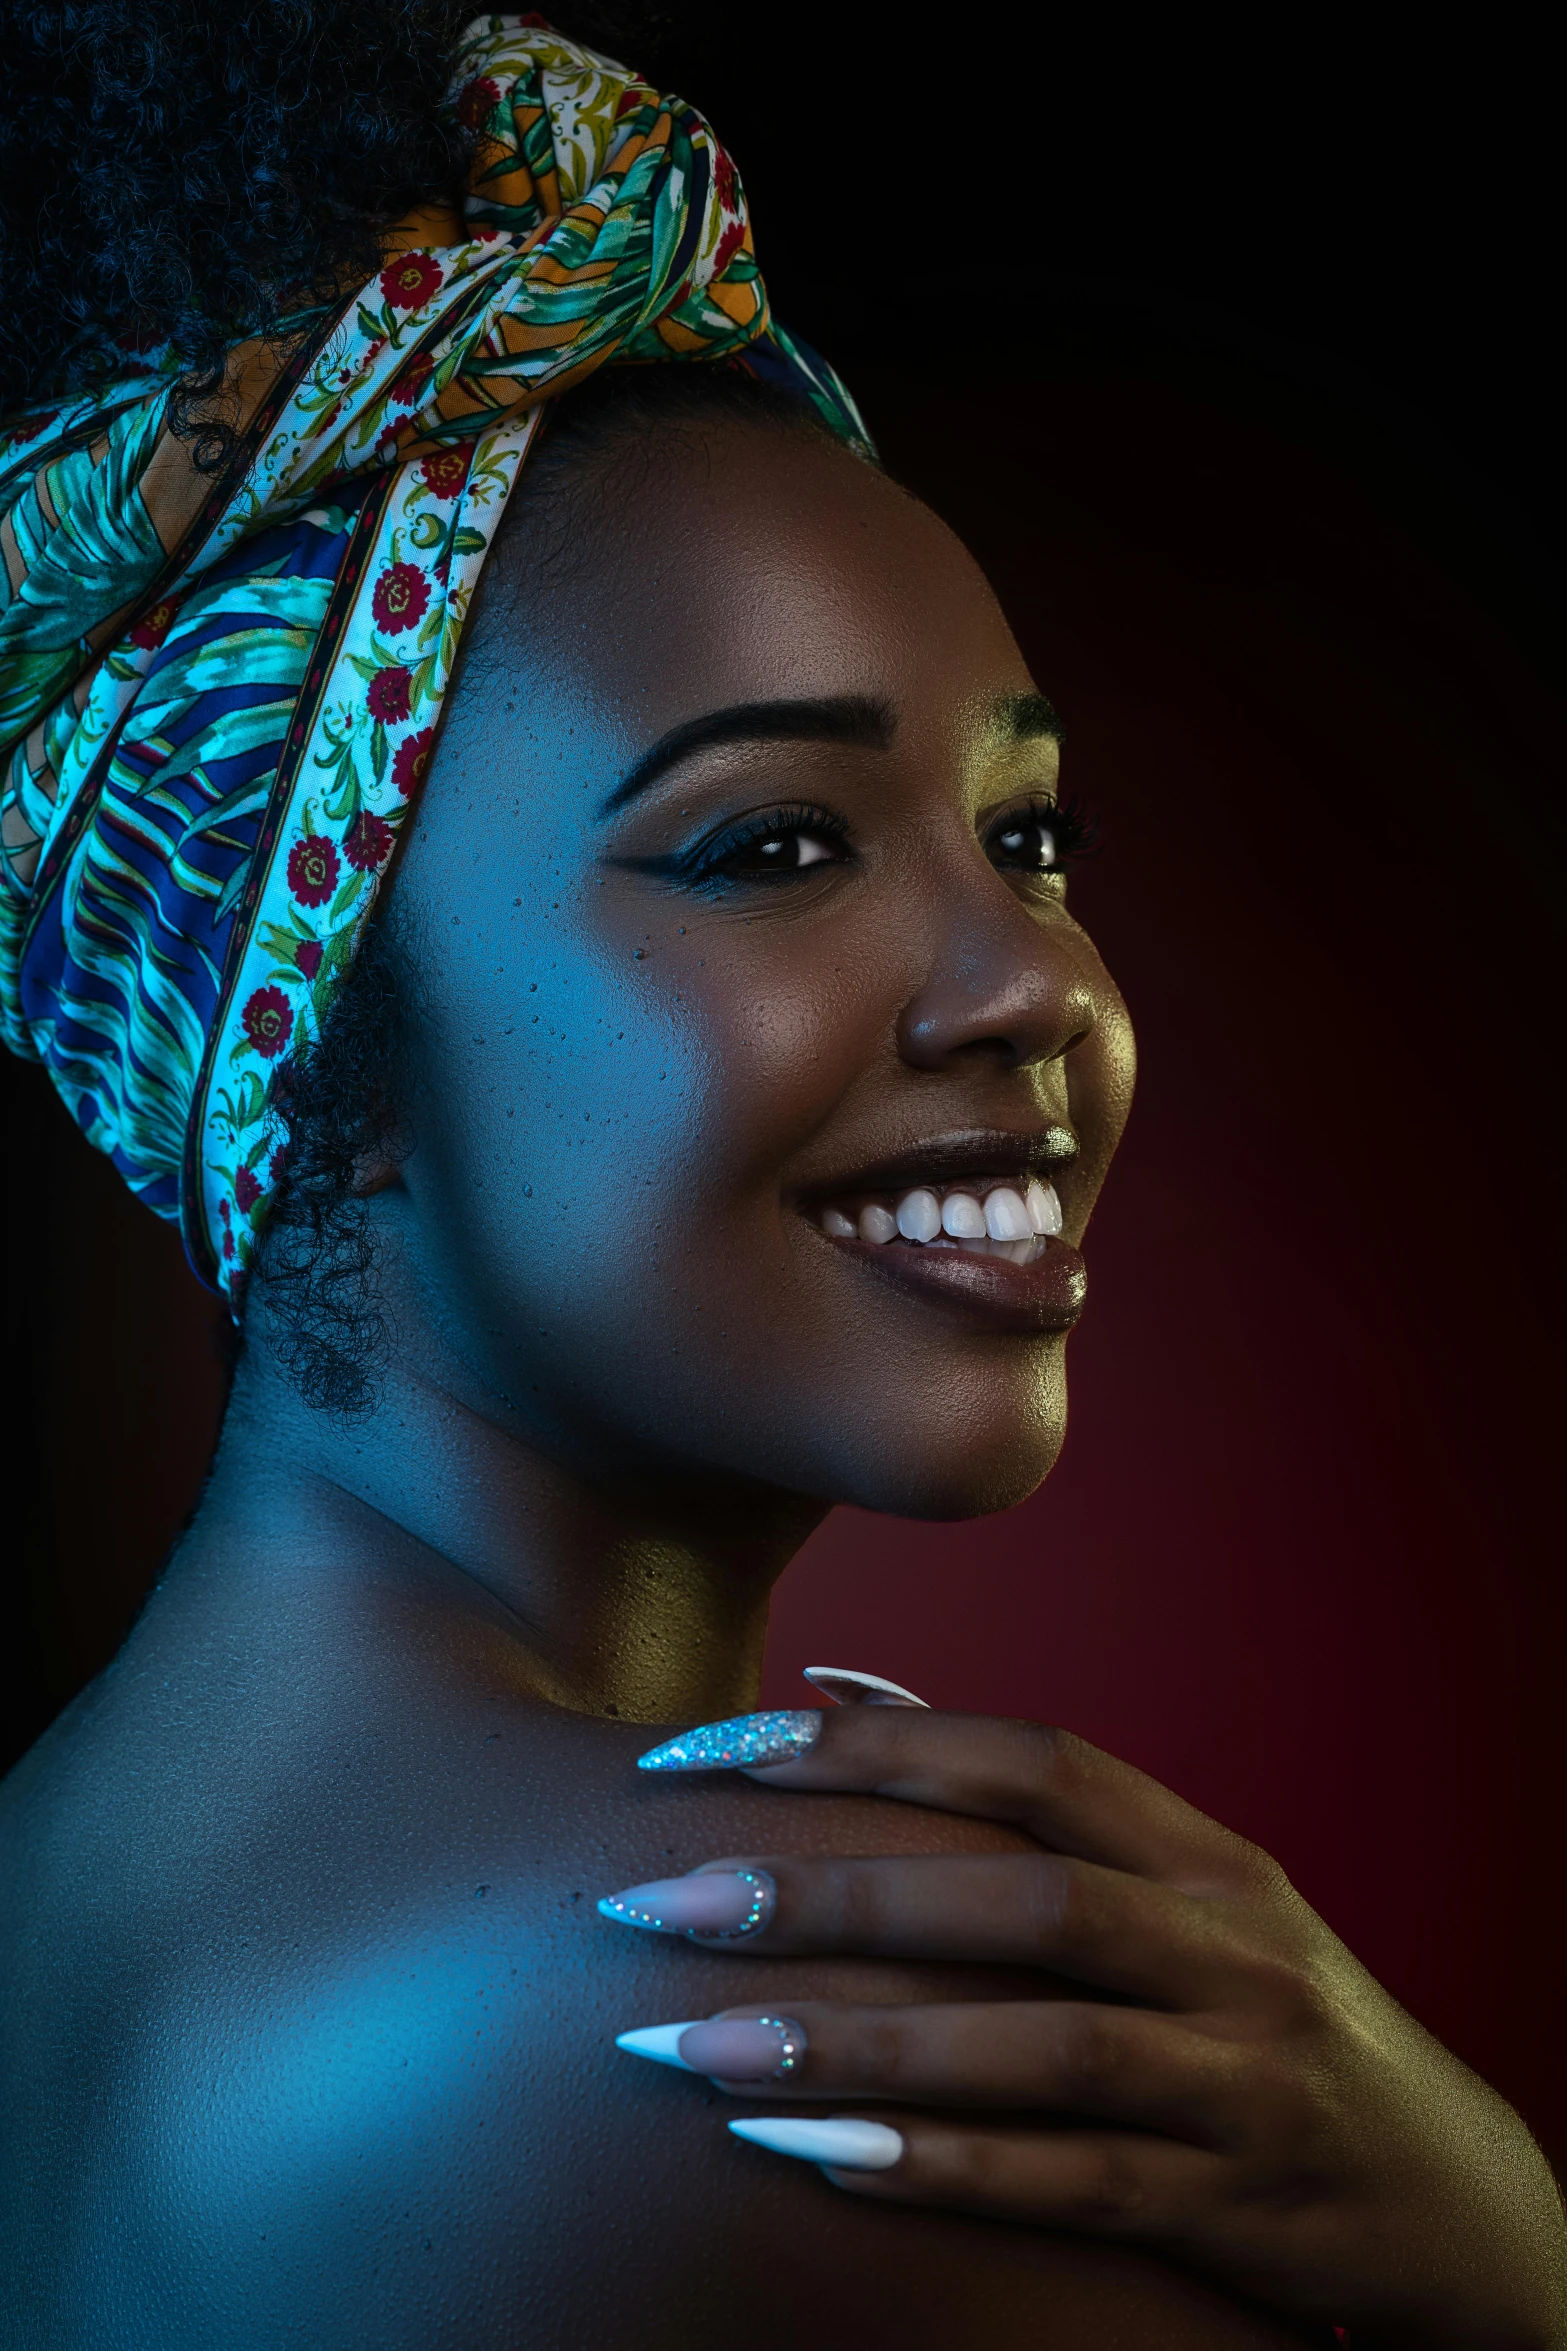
188 858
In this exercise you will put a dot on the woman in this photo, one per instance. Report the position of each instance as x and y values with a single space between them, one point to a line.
701 1132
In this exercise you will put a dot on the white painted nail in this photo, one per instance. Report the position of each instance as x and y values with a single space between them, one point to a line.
963 1217
878 1225
1006 1219
919 1216
1044 1207
849 1688
841 1227
661 2042
846 2145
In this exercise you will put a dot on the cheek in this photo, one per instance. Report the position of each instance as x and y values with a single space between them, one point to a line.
1101 1078
602 1105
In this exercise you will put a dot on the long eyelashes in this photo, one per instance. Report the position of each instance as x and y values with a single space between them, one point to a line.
1037 836
1042 836
769 846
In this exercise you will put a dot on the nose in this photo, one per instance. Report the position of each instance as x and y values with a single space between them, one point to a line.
1009 985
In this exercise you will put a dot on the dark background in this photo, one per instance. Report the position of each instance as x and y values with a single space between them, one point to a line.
1230 357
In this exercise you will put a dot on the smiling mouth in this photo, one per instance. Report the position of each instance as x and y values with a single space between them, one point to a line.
985 1246
980 1216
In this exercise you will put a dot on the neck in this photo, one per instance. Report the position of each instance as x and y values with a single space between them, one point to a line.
640 1596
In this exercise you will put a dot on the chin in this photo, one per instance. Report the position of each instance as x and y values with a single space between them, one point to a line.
948 1483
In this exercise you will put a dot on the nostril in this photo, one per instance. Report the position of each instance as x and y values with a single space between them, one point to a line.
1002 1049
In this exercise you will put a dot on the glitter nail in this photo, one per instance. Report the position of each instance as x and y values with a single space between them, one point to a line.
745 1742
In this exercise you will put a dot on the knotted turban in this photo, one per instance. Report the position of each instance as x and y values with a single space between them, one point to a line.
219 694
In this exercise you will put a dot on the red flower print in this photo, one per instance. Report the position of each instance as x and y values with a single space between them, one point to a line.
368 842
724 180
308 957
312 869
401 594
412 385
246 1191
409 280
225 1211
279 1162
228 1244
413 757
476 101
268 1021
155 626
388 694
447 470
728 246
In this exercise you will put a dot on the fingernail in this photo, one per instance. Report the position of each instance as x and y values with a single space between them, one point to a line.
731 2049
846 2145
745 2048
718 1905
661 2042
848 1688
743 1743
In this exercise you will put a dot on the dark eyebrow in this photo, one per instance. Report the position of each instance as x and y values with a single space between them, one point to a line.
844 718
1018 718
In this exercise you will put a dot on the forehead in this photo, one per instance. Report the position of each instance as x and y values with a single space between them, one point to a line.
738 563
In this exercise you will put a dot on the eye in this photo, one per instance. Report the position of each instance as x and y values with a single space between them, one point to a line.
1043 837
782 853
765 848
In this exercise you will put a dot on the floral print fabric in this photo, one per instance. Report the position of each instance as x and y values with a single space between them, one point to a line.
218 697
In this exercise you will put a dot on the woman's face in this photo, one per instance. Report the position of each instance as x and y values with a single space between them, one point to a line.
732 906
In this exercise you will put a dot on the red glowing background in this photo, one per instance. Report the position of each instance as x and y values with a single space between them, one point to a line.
1301 1558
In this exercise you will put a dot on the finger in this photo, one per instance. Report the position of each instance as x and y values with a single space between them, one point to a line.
1068 2057
1069 1795
1100 1926
1097 2183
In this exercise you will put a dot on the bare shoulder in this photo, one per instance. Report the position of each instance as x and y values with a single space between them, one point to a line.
308 2023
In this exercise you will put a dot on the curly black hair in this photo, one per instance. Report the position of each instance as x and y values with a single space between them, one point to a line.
180 174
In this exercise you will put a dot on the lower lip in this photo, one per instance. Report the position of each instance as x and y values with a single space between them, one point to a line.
1048 1295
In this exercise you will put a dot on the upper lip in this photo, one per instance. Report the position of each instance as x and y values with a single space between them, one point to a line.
969 1151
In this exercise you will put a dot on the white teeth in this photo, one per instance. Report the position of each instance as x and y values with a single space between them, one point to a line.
963 1217
841 1227
1044 1208
919 1216
1006 1219
878 1225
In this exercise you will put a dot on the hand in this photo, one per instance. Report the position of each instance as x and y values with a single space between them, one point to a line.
1244 2096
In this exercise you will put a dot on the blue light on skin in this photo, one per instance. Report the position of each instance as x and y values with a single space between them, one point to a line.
622 1085
626 1378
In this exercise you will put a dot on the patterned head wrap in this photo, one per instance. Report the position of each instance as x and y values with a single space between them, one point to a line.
218 696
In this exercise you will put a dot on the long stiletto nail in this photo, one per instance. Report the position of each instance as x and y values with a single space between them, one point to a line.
845 2145
744 1743
727 2048
849 1688
716 1906
661 2042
